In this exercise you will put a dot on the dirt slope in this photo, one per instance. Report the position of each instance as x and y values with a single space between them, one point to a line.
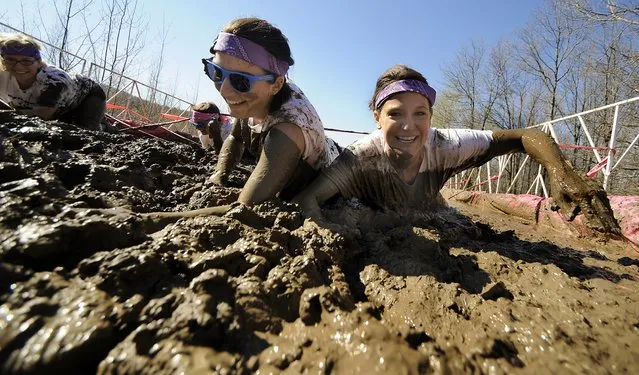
84 289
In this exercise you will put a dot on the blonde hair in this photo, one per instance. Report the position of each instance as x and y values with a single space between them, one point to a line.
17 40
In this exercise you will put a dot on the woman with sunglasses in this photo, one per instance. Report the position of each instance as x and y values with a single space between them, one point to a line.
276 122
405 163
214 127
32 87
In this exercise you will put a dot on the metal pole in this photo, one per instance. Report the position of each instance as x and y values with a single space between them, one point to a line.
611 146
592 143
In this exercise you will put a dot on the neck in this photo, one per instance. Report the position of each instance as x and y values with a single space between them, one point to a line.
263 114
259 119
407 166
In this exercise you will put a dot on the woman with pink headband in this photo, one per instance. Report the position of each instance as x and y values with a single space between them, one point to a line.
276 122
214 127
32 87
405 163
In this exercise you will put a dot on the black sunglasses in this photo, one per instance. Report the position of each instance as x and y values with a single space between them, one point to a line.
241 82
12 62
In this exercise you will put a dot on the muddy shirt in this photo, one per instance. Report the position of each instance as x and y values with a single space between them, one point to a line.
319 150
364 171
53 88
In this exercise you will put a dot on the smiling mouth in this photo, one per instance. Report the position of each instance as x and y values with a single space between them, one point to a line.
235 103
406 139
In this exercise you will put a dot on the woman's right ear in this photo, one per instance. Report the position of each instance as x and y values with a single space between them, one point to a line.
376 116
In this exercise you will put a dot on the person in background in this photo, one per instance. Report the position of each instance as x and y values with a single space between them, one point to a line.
33 88
214 127
405 163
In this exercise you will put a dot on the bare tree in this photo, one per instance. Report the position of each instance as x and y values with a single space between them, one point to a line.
123 40
517 99
446 111
158 65
547 45
611 11
58 33
464 83
622 15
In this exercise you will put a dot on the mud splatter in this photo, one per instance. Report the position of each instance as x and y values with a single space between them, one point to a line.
85 289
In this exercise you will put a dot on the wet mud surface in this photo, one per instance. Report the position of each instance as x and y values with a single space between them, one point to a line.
84 288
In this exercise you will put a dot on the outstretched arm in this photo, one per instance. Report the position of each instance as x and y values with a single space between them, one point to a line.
318 192
229 155
571 193
280 156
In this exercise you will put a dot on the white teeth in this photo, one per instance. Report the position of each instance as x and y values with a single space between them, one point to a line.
406 139
234 103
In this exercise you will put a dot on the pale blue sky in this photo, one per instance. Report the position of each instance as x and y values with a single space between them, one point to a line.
339 47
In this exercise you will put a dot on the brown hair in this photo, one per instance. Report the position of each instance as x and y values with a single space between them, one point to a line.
396 73
206 107
19 40
271 38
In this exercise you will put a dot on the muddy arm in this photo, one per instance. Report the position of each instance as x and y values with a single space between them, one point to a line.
154 221
318 192
281 153
229 155
572 194
280 156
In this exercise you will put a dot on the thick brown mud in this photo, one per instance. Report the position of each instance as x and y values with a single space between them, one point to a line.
84 288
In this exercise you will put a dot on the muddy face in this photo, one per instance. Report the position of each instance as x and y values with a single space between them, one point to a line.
404 120
23 68
253 103
85 290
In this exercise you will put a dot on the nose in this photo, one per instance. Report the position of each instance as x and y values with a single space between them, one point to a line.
407 123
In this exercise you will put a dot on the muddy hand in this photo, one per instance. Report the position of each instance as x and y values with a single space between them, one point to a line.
347 232
574 195
219 179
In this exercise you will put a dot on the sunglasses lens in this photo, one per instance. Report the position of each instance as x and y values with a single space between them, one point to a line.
240 83
217 74
20 62
213 73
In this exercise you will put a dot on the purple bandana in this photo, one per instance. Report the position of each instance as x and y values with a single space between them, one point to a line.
404 86
28 51
249 51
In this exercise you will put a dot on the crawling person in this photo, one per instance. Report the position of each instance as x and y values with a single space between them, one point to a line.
214 127
277 123
33 88
405 163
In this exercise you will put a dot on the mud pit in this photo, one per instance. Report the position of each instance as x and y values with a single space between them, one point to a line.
85 290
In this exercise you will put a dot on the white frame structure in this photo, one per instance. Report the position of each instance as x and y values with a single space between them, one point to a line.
538 183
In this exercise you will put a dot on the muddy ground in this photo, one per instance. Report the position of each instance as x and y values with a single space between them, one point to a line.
85 289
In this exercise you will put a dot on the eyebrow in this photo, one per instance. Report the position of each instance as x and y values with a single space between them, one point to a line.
401 107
